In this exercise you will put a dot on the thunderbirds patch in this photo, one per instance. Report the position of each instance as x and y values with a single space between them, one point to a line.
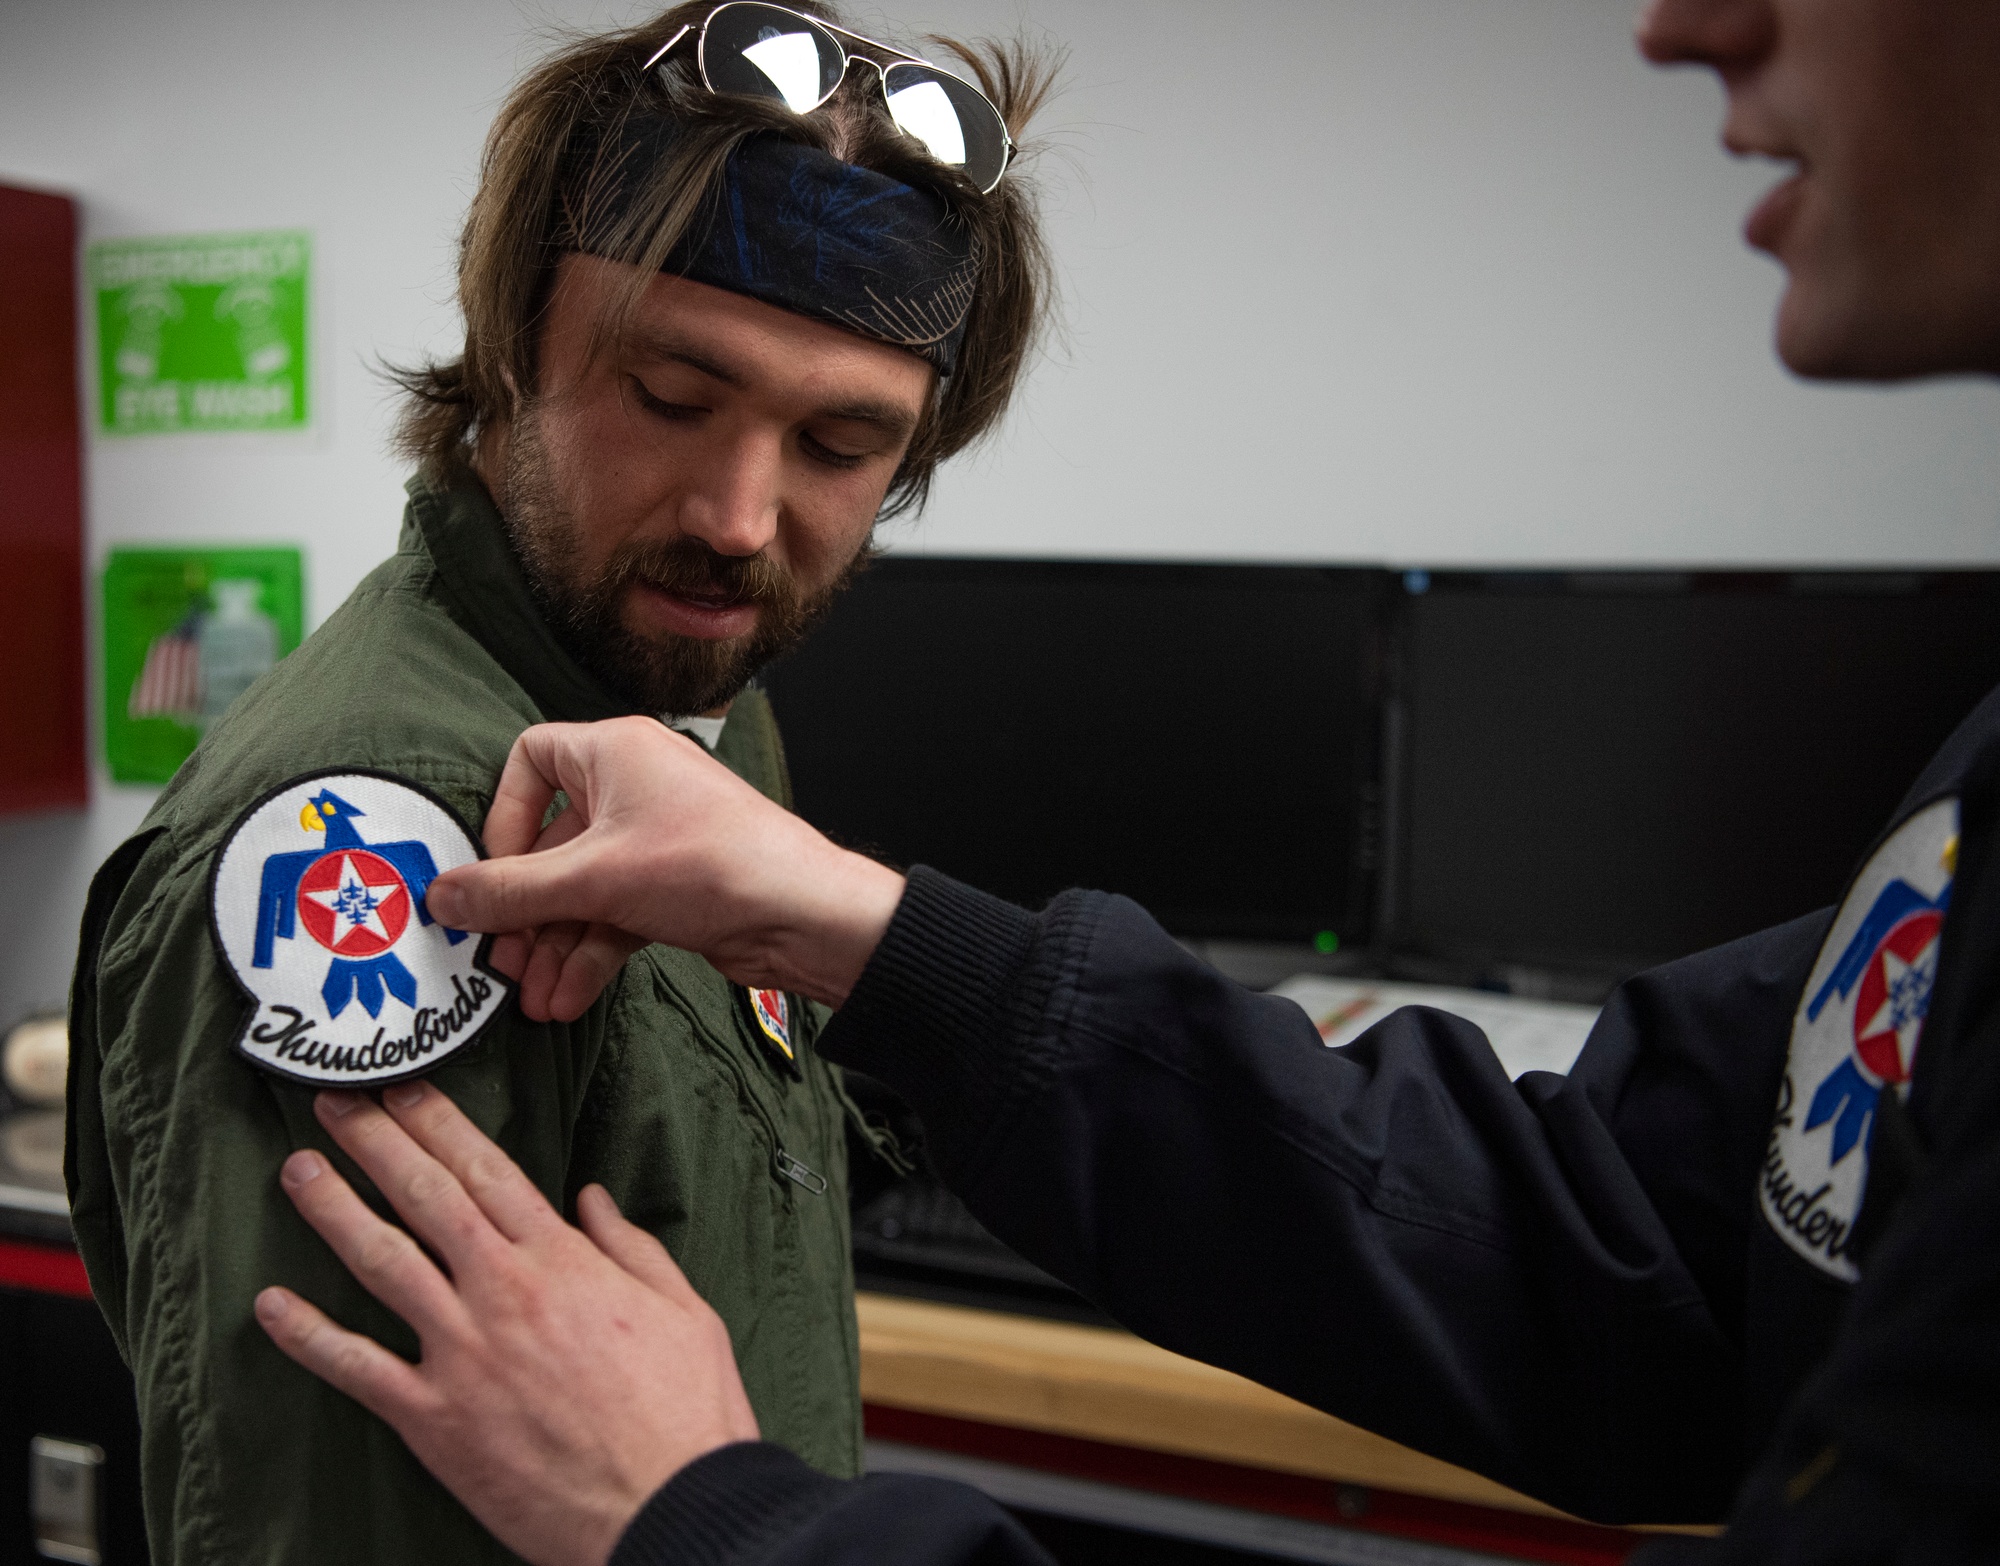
1855 1037
318 908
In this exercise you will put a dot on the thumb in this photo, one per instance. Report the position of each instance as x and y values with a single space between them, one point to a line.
517 893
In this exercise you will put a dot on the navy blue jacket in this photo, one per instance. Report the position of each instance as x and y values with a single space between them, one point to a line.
1630 1292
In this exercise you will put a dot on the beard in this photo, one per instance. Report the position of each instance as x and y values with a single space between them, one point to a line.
664 674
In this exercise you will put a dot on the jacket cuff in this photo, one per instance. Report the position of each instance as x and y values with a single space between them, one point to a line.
958 1009
727 1506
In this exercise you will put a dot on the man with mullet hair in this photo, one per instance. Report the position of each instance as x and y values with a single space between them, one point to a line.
734 283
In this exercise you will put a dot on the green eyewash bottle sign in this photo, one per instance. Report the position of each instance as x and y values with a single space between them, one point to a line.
187 631
201 332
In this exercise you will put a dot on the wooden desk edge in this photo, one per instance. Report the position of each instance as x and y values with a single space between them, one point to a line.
1101 1384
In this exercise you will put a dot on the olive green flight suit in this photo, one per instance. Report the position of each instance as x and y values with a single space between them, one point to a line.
661 1091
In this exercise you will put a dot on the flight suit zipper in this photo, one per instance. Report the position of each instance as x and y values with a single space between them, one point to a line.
784 1164
799 1172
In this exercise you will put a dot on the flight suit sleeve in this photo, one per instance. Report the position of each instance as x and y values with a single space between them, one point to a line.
1501 1274
246 1457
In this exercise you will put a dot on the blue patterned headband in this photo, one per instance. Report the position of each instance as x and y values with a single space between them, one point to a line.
801 230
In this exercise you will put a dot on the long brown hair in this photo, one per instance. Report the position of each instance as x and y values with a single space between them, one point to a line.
533 197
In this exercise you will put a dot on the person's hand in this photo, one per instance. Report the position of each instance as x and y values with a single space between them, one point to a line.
660 842
566 1374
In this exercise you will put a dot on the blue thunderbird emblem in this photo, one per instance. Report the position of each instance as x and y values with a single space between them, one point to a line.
1900 915
355 898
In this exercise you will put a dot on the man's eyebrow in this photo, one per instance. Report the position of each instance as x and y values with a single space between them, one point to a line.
648 345
892 418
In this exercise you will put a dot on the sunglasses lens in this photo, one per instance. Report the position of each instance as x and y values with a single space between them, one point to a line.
950 117
765 51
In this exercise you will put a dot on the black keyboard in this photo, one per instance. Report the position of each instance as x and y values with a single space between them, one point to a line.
913 1237
917 1239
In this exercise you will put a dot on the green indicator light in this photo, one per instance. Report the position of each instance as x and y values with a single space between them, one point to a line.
1326 943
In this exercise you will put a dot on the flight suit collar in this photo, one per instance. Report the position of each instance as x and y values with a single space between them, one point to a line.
456 523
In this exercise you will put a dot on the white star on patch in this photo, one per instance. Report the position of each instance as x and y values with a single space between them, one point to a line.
1906 988
355 901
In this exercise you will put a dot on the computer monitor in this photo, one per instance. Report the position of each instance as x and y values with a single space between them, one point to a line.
1599 771
1199 737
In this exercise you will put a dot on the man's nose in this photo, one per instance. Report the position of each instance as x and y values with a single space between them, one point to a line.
733 504
1728 35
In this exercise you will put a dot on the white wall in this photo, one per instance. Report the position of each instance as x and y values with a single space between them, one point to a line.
1410 280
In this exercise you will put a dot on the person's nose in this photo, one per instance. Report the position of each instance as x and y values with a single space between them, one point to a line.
733 507
1727 35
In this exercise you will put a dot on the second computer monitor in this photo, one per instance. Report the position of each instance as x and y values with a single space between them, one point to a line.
1604 770
1198 737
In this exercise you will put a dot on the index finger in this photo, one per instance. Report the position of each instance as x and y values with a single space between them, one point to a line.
385 1259
430 1198
482 1169
535 771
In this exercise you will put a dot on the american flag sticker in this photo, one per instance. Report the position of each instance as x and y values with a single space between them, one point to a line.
169 686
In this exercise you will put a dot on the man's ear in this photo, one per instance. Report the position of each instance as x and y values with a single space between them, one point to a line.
489 450
489 447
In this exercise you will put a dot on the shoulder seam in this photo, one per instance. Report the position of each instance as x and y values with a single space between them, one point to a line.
194 845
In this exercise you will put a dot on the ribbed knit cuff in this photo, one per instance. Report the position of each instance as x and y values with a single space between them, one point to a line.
1674 1552
951 1007
725 1507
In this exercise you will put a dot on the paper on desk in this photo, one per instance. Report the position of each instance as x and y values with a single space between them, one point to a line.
1527 1035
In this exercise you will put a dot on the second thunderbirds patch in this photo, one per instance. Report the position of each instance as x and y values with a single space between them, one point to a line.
1855 1037
318 908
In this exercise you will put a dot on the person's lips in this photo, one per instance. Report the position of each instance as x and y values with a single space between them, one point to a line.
1771 219
709 618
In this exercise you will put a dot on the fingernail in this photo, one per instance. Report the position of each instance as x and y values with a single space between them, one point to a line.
445 902
270 1306
407 1096
339 1104
301 1169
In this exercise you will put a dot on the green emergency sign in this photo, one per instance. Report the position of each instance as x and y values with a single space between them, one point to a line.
201 332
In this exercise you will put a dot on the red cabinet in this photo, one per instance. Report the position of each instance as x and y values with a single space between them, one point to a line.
41 507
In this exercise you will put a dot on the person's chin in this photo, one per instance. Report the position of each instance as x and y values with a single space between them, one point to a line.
1857 306
1848 331
1809 341
1823 326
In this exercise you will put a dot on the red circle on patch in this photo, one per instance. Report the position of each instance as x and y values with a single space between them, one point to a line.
1882 1051
354 903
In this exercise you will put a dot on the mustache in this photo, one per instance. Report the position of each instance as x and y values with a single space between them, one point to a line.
689 568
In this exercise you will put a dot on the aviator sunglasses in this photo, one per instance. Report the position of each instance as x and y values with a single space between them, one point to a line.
756 50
